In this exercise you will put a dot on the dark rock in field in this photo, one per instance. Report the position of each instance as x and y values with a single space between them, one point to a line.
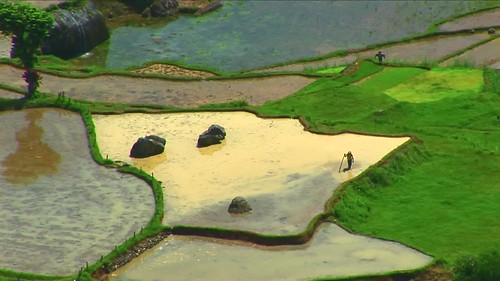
162 8
472 31
214 135
148 146
239 206
77 31
491 31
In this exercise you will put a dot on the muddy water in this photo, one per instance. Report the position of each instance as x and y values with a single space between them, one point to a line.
417 51
285 172
30 160
250 34
9 94
489 18
332 252
59 208
484 55
163 91
427 50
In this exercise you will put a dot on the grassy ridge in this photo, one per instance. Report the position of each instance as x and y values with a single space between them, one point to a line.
442 196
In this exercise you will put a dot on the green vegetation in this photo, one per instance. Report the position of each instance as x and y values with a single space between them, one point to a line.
485 267
439 196
28 25
438 84
331 70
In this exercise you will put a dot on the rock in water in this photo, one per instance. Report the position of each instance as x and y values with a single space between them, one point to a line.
148 146
214 135
239 205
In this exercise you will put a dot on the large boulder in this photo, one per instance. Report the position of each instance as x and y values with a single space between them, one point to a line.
214 135
77 31
162 8
239 205
148 146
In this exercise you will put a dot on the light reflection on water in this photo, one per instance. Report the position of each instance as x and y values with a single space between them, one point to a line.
59 208
250 34
333 252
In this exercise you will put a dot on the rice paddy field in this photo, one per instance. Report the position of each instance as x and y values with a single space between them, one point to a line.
420 202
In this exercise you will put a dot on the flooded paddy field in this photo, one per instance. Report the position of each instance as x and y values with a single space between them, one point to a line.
333 252
274 163
59 208
244 35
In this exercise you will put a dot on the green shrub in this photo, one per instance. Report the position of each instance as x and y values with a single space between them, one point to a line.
486 267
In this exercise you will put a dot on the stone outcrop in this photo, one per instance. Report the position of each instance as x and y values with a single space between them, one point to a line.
162 8
214 135
239 205
198 7
148 146
77 31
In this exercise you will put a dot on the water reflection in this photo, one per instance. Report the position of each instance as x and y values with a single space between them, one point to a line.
332 253
250 34
33 157
150 163
210 150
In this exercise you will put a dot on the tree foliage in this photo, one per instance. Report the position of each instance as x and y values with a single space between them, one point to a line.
28 25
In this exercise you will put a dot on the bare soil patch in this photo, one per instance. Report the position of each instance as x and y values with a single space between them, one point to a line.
173 70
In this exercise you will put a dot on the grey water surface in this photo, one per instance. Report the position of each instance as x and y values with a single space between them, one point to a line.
251 34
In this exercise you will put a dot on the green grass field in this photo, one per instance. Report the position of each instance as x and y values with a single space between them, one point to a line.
440 196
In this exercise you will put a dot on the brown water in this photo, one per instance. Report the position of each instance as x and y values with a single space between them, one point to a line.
59 208
33 157
286 173
332 252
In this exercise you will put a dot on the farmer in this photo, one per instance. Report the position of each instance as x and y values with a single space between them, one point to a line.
350 160
380 56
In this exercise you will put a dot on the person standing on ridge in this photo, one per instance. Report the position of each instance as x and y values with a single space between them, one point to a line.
380 56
